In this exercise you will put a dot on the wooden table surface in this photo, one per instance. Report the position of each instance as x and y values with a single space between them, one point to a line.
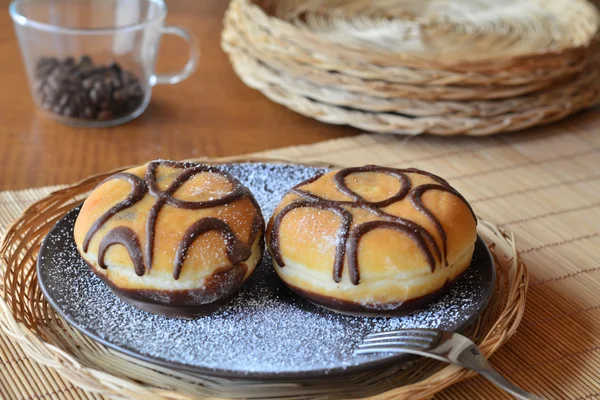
210 114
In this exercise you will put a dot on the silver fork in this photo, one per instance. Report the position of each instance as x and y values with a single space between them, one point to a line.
441 345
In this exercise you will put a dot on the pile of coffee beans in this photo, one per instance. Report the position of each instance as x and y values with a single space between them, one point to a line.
81 89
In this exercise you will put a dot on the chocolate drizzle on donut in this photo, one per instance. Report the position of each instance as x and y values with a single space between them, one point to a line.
138 189
362 229
349 239
237 251
415 199
346 222
166 197
340 176
126 237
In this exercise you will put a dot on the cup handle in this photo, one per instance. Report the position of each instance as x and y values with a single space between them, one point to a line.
189 67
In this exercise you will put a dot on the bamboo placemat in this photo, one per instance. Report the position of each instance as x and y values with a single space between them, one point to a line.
543 184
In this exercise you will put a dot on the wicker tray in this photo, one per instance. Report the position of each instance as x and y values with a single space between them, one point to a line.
586 83
267 42
446 125
27 319
532 37
426 86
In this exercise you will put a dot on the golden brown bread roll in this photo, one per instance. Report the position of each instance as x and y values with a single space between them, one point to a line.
172 238
372 240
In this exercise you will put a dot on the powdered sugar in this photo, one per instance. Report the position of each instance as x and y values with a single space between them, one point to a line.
264 330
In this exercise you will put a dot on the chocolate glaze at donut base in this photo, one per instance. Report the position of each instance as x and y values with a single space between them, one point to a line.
218 290
374 310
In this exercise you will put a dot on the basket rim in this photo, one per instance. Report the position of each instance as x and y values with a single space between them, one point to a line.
96 380
252 7
397 81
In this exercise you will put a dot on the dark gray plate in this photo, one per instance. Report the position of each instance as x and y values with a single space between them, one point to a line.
266 332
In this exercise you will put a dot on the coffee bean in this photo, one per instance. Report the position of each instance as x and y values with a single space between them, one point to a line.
69 111
88 112
120 95
113 82
48 99
45 67
95 95
63 100
115 67
136 91
77 102
52 83
39 86
85 62
104 115
87 83
82 89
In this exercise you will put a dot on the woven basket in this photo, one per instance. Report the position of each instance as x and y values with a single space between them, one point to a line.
464 67
535 37
438 87
585 83
446 125
27 319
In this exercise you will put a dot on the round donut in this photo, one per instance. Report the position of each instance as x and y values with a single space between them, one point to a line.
372 240
171 238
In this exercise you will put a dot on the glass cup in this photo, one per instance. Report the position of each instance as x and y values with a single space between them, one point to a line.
91 62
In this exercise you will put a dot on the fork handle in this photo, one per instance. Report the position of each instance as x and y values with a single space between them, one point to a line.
498 380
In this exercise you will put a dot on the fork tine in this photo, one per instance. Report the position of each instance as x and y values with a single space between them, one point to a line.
394 347
402 332
414 338
398 343
358 352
